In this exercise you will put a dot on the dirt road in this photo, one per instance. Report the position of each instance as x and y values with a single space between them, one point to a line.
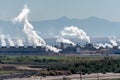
74 77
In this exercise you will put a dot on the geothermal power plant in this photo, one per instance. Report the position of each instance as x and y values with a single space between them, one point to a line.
33 43
10 47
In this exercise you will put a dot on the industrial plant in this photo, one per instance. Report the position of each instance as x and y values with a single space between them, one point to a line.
13 47
33 43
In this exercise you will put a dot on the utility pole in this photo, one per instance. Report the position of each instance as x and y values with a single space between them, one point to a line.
41 78
80 75
98 76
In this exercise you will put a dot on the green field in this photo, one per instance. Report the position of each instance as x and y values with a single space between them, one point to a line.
6 58
71 63
4 72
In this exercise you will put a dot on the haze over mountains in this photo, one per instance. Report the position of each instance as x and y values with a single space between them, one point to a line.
93 26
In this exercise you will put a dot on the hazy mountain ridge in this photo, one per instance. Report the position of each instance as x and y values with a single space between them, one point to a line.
93 26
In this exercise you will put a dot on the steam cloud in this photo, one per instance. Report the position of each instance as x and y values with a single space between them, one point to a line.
74 31
113 41
51 48
106 45
22 15
67 41
11 42
3 42
19 42
30 32
28 28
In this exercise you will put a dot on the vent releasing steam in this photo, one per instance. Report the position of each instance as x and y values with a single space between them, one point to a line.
3 42
28 28
32 36
67 41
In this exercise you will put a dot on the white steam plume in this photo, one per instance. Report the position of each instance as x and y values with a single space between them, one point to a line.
3 42
23 14
19 42
11 42
74 31
97 46
51 48
29 29
113 42
106 45
67 41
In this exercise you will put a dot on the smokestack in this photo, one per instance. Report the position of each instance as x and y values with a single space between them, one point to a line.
61 45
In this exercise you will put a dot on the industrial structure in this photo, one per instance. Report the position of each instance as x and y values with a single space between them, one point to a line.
88 48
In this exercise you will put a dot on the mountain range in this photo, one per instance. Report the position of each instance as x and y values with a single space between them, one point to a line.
93 26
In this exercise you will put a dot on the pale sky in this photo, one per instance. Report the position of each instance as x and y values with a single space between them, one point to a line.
53 9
